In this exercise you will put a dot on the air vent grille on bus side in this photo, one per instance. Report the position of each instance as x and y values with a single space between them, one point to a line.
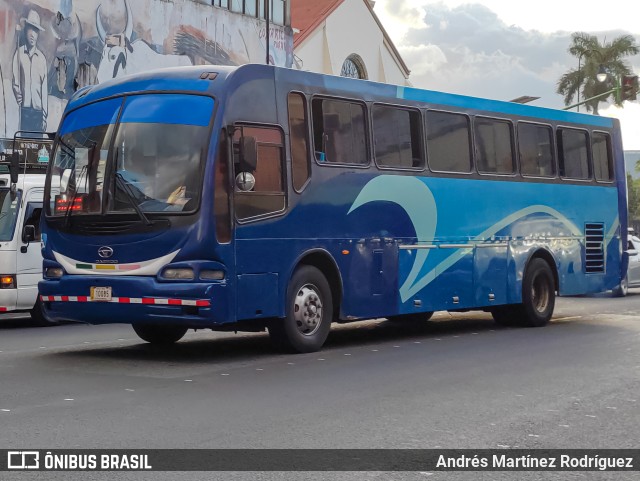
594 248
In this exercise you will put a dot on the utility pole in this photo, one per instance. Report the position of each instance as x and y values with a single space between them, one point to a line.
267 15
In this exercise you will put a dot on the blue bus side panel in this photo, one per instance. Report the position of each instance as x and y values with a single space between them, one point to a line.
374 216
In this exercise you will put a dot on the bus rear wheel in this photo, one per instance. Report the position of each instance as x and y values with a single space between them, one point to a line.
538 295
507 315
309 312
159 335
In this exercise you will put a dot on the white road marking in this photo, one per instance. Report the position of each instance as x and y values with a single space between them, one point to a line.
563 425
188 380
611 407
224 374
590 416
5 410
69 399
130 390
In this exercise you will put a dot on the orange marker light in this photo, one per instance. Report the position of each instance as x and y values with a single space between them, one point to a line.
346 252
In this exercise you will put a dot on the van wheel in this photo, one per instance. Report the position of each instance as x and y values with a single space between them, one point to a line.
309 312
159 335
410 318
623 289
538 295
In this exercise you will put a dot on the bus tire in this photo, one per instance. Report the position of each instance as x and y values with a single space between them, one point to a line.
309 312
411 318
37 315
159 335
538 294
506 315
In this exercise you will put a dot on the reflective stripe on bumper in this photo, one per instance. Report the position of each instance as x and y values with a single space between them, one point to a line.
131 300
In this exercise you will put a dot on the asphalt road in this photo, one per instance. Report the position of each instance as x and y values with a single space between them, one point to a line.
458 381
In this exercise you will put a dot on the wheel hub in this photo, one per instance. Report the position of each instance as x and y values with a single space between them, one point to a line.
308 310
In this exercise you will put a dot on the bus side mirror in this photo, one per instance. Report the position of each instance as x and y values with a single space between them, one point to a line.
14 168
248 154
29 234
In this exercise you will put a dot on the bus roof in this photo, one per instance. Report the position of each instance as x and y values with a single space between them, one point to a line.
209 78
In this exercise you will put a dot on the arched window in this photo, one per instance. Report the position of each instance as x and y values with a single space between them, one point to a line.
353 67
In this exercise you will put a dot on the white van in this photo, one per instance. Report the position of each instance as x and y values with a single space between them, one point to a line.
20 250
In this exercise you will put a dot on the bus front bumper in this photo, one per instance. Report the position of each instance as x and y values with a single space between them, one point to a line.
135 300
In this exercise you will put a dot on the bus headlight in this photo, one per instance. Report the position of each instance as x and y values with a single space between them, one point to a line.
211 275
182 274
53 272
7 282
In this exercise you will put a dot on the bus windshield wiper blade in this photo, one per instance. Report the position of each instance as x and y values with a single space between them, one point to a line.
124 186
67 213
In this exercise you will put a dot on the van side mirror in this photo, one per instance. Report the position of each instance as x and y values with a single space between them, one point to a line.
248 154
29 234
14 167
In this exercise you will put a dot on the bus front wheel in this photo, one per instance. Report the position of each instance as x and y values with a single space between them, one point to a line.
159 335
309 312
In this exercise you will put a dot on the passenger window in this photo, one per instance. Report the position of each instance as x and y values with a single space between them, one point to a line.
397 137
494 146
448 142
536 150
338 132
573 154
298 140
602 164
260 191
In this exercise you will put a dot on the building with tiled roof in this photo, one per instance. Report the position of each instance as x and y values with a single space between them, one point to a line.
345 37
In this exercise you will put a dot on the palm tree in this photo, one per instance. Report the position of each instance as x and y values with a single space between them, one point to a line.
592 57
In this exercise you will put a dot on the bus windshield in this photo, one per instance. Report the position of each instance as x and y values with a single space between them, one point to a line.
144 153
8 214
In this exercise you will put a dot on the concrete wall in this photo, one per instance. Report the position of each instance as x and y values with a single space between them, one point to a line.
87 41
350 29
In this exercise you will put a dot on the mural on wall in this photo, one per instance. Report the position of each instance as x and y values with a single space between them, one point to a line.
51 48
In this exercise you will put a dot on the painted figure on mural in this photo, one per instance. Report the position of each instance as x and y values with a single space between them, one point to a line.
30 76
67 32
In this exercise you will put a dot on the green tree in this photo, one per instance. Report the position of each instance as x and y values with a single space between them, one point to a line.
633 198
592 56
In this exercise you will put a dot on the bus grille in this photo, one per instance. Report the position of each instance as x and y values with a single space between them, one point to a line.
594 250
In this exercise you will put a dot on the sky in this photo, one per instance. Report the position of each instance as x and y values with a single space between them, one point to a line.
503 49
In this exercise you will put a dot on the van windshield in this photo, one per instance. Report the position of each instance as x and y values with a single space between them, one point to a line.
8 214
143 153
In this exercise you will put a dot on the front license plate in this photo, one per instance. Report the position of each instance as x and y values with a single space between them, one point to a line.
101 294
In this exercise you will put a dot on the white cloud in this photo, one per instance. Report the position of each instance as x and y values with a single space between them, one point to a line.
502 49
629 123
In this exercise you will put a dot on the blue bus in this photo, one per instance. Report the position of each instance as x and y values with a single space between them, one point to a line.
257 197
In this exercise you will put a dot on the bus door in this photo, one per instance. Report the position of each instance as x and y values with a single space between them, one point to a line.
259 201
29 260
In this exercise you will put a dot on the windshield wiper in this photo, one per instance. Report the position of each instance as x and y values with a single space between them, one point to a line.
125 187
78 182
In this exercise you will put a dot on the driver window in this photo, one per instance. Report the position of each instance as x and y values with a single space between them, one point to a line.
33 218
259 192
